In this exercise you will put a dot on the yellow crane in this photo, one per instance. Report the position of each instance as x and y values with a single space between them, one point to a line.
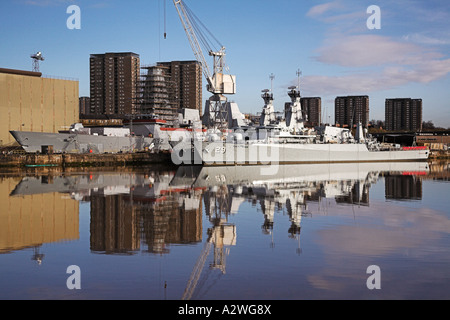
219 83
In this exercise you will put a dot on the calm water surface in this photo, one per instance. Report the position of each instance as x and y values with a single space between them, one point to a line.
229 233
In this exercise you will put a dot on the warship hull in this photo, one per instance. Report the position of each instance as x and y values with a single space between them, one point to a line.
37 142
267 153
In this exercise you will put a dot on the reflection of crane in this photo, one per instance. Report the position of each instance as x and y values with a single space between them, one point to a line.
216 114
196 272
222 235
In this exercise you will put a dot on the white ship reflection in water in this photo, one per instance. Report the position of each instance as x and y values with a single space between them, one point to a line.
308 232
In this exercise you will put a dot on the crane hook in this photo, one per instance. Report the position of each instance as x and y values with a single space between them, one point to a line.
165 21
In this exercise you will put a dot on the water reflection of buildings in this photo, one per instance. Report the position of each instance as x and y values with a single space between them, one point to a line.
127 209
403 187
114 225
30 221
153 213
162 208
407 185
439 171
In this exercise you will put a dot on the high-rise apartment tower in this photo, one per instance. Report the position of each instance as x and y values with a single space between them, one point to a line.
403 114
312 107
350 110
186 77
114 79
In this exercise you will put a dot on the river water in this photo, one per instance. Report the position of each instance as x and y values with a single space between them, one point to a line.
300 232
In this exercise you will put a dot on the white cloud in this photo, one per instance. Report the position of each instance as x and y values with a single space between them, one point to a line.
318 85
372 50
320 9
386 78
424 39
370 61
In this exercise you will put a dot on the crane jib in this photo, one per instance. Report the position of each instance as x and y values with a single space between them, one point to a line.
200 40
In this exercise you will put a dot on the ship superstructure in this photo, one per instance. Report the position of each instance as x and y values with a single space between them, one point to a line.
286 141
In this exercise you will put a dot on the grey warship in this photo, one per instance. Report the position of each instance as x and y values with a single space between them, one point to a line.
288 141
83 140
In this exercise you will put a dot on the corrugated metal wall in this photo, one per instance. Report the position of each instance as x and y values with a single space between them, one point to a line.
36 104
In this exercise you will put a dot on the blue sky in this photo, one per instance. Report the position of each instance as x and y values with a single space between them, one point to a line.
327 40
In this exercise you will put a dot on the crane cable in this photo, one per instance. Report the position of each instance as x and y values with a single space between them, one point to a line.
206 37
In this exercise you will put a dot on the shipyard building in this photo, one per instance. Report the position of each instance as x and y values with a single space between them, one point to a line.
31 102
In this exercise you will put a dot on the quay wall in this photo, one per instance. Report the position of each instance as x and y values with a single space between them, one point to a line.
84 160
